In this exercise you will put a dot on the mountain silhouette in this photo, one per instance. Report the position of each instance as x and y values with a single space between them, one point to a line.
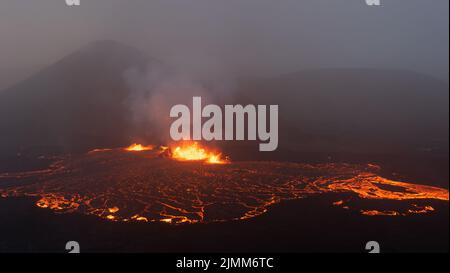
356 110
79 103
74 104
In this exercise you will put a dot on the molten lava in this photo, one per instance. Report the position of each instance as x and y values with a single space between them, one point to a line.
194 152
138 148
168 185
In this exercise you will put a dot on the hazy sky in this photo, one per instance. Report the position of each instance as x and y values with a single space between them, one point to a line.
260 37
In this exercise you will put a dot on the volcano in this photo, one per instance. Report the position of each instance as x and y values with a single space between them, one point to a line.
359 146
75 104
80 103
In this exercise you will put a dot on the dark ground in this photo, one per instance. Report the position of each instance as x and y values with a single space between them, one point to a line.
308 225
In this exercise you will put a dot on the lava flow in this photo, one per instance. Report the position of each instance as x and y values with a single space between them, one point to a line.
174 185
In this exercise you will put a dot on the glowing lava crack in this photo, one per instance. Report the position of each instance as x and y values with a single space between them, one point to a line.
144 186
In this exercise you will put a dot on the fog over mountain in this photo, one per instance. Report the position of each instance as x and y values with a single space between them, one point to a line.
84 101
77 102
256 37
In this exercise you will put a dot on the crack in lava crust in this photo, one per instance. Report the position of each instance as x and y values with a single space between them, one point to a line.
121 186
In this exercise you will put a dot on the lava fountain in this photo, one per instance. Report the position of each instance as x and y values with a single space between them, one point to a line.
139 148
192 151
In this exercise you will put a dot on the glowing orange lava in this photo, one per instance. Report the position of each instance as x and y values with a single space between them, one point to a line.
194 152
138 148
113 209
370 186
151 187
